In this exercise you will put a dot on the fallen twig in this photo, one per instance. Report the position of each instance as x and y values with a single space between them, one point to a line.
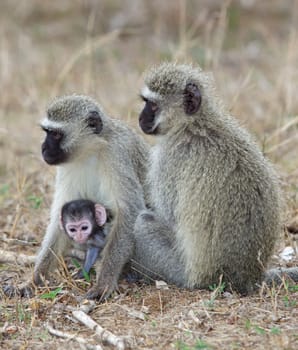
87 306
69 336
16 258
20 242
132 312
105 335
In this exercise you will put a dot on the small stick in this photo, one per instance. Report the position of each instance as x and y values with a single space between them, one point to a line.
17 241
72 337
105 335
16 258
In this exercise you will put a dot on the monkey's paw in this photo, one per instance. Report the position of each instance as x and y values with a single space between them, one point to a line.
79 275
24 291
101 293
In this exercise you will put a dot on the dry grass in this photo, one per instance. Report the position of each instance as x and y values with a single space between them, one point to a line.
101 49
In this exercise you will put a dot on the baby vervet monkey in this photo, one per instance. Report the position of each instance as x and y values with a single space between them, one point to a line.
83 221
215 199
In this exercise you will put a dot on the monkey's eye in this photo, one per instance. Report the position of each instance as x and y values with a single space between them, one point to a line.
57 135
84 228
73 230
154 106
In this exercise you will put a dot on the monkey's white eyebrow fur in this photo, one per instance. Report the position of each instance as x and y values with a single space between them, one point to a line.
148 94
50 124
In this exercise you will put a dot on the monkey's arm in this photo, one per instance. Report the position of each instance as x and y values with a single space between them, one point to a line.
115 255
54 245
94 247
91 256
155 256
98 240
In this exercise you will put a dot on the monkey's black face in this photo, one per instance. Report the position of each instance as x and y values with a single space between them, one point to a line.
51 149
147 117
53 152
152 121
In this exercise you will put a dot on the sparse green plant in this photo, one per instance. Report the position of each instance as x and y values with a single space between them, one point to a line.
181 345
4 189
217 290
22 314
293 288
153 323
200 344
35 201
52 294
288 302
259 330
79 266
247 324
275 330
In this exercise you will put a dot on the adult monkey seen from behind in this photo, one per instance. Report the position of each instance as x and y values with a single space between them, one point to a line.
214 198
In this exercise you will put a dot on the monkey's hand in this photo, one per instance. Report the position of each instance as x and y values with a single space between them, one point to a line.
103 289
79 275
25 290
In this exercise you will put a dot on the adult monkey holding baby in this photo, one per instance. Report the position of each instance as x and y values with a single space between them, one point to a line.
100 159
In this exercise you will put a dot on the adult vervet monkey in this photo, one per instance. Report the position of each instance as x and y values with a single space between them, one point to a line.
215 199
101 159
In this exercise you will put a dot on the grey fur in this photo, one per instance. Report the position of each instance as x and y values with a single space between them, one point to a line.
107 168
278 275
215 199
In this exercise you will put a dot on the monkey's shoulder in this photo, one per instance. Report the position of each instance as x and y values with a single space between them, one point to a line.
126 143
209 153
122 131
97 239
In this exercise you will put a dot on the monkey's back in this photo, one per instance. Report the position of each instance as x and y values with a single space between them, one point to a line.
130 150
226 202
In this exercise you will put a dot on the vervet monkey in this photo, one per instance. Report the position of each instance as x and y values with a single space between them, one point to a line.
83 221
215 200
97 158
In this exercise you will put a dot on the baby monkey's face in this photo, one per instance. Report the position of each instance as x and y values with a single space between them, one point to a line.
79 230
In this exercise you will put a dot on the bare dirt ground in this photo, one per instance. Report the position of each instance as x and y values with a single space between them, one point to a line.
101 48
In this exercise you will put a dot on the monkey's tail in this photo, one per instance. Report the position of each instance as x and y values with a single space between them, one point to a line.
278 275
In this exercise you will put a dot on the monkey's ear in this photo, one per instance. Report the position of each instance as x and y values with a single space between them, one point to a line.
60 222
191 98
94 122
100 214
